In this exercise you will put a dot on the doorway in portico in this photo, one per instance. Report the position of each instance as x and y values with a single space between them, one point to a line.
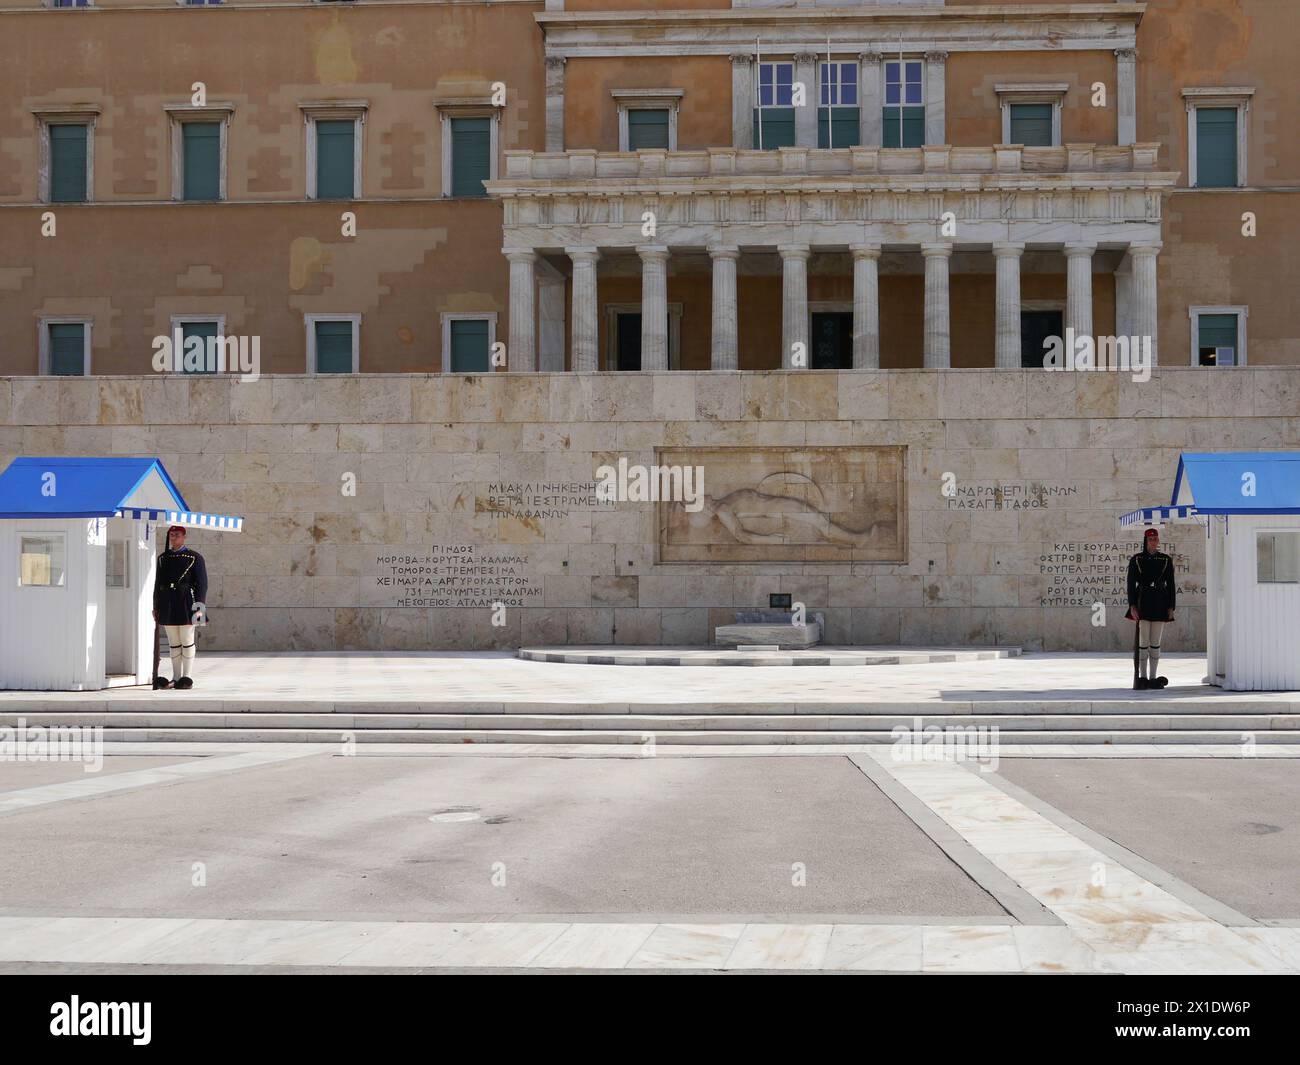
832 340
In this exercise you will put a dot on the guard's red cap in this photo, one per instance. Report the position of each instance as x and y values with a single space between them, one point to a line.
1150 533
175 528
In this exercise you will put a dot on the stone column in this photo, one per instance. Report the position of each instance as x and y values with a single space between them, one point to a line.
725 348
1007 352
522 356
654 306
1124 296
794 303
938 331
1145 318
936 69
742 100
552 318
1126 93
870 110
586 345
866 306
555 103
805 117
1078 288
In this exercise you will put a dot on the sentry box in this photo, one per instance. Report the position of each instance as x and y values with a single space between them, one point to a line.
77 569
1249 504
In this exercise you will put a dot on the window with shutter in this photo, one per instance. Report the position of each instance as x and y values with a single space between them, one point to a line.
1216 339
647 127
471 155
202 160
838 127
469 345
1031 125
67 349
68 143
196 358
335 159
773 127
334 347
903 116
1216 147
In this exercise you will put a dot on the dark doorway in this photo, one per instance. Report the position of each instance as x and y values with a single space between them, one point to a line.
1036 327
628 341
832 340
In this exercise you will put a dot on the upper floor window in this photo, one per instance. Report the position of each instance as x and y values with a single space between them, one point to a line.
904 110
333 343
1218 336
66 170
69 3
199 151
774 116
1216 136
65 346
334 150
467 341
470 136
647 118
838 117
201 3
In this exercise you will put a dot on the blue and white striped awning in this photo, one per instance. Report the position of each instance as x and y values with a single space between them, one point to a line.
1158 515
190 519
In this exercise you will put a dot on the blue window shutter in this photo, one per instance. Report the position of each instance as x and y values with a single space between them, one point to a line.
469 345
843 122
67 349
913 127
68 163
777 127
335 159
1031 125
647 128
333 347
206 331
471 155
1216 147
202 148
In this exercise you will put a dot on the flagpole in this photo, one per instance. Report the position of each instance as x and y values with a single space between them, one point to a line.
758 88
830 113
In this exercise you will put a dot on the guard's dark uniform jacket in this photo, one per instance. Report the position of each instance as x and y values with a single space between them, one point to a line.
181 581
1151 585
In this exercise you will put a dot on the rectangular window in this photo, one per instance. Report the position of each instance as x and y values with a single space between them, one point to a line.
774 116
1216 147
647 127
1216 339
201 160
116 572
68 145
1031 125
838 124
334 346
198 346
904 111
70 3
471 155
1277 557
41 560
469 345
67 349
336 145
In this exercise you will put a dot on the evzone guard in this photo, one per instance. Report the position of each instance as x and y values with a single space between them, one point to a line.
1151 601
180 590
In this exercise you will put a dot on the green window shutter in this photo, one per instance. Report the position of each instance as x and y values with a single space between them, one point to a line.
843 122
471 155
913 127
1216 331
205 331
647 128
777 127
1216 147
68 163
67 349
469 345
333 347
335 159
1031 125
202 159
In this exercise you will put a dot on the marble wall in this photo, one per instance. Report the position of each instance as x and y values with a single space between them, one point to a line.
395 511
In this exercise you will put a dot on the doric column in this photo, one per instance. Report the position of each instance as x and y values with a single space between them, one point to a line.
794 303
586 349
742 100
725 348
936 69
1078 288
1124 296
870 111
552 318
1126 93
805 117
1145 319
866 306
522 356
938 339
1007 352
654 306
555 103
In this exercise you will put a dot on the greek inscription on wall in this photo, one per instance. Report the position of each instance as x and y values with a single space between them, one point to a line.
453 575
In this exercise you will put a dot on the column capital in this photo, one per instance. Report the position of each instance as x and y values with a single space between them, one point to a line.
1080 249
724 251
1126 53
652 252
806 57
520 255
865 251
936 56
794 251
587 254
742 57
1141 250
936 250
554 61
869 56
1008 249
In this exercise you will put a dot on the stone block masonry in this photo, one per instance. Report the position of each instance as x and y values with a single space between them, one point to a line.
477 490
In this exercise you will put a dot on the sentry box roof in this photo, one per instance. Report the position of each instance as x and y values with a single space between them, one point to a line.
1228 482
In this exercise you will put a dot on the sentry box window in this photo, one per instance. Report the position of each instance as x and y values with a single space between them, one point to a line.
780 601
